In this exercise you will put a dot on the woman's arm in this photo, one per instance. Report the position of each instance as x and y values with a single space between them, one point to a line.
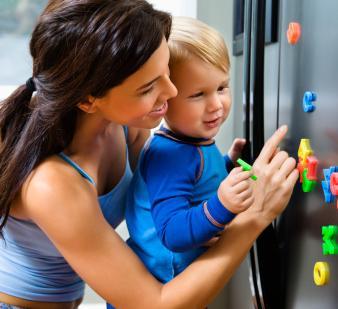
277 177
68 212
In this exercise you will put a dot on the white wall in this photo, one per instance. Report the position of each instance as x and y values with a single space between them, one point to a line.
177 7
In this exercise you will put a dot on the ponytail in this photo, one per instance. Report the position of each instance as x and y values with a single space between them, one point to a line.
31 129
15 165
14 112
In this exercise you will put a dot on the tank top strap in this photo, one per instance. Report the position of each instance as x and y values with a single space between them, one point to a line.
125 130
77 167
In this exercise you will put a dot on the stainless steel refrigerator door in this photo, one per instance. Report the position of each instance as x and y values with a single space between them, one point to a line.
310 65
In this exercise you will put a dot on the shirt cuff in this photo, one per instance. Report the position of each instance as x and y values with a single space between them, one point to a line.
216 213
229 165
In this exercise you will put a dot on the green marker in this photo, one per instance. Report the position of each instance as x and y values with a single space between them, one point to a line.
246 167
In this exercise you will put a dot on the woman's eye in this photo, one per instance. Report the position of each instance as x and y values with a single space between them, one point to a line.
196 95
147 91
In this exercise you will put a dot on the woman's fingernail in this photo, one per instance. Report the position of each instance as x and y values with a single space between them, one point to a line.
283 128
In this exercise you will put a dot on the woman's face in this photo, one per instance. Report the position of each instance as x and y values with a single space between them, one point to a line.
141 100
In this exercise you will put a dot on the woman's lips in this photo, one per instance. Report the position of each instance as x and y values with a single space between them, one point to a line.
159 111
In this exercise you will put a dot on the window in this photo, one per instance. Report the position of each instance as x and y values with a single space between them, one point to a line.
17 20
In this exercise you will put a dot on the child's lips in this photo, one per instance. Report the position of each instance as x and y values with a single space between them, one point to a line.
213 123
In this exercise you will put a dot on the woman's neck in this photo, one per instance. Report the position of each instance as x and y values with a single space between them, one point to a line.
91 131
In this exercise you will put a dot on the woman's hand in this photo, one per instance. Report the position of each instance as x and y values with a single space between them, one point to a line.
277 177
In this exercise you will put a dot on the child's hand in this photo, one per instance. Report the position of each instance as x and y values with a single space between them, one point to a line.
236 149
236 192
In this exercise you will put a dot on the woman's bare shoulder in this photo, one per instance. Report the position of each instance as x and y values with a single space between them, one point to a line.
53 173
54 182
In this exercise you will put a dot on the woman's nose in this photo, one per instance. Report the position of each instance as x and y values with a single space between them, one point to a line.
171 90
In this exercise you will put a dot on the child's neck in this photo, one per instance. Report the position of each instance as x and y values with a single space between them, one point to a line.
183 137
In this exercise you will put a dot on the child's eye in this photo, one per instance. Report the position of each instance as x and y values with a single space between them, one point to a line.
222 88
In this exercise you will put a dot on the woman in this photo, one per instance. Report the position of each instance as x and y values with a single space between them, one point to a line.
66 158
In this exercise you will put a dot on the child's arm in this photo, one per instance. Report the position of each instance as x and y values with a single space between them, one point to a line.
170 175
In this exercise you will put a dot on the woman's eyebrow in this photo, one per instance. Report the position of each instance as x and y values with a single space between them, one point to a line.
148 84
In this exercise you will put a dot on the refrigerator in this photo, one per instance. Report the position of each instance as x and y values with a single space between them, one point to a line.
286 71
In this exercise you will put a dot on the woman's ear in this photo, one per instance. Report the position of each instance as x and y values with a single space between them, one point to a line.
88 106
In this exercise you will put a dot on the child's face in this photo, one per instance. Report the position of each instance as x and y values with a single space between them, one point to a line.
203 101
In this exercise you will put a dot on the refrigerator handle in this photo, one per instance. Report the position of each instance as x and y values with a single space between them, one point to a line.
247 156
265 251
247 123
257 82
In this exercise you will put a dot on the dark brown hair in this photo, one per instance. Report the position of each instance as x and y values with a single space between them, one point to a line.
79 48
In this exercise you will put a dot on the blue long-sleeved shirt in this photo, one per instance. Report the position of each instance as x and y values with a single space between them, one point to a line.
173 206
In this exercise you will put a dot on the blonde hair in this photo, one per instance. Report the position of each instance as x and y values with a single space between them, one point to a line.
190 36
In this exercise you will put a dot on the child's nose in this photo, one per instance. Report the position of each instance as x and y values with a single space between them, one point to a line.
214 103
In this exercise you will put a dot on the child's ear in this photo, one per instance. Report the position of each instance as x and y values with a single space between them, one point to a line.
88 106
